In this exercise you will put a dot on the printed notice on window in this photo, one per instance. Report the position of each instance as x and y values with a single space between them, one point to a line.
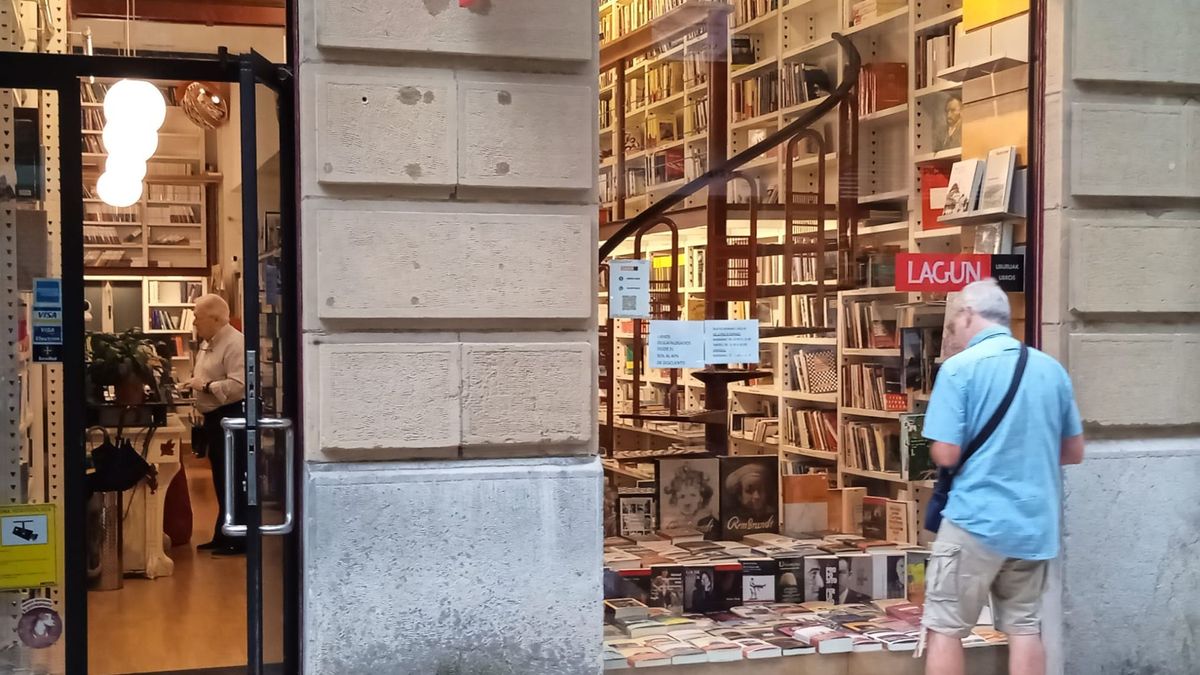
629 289
731 341
677 344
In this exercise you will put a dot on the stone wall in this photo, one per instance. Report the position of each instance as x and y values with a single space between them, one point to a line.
448 223
1121 308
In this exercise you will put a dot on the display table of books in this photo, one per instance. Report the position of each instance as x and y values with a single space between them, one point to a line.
688 604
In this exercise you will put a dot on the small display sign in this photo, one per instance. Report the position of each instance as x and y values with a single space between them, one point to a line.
47 325
945 272
731 341
629 289
677 344
28 546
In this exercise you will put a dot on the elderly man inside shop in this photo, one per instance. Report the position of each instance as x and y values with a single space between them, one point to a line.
219 387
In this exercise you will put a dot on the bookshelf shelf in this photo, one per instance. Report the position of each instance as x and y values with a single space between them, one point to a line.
977 217
937 89
752 69
753 23
938 233
757 444
831 456
770 119
673 101
878 23
879 197
811 398
810 162
941 155
940 21
104 246
866 412
878 353
876 290
885 228
973 69
824 44
753 391
801 107
896 112
877 475
760 163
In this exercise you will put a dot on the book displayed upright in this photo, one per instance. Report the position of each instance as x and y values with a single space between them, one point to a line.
962 192
749 495
998 178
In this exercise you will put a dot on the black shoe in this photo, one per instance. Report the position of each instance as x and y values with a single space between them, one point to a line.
212 545
229 550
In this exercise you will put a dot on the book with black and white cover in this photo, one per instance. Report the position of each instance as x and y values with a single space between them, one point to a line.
995 238
821 578
758 580
997 180
962 193
749 495
689 495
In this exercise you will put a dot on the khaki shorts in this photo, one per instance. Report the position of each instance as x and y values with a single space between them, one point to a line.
963 572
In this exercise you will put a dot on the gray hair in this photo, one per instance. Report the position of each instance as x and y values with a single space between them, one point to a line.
213 305
988 300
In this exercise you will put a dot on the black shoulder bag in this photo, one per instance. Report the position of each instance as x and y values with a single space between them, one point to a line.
945 479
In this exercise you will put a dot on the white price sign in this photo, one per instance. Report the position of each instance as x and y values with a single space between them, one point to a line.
730 341
676 344
629 289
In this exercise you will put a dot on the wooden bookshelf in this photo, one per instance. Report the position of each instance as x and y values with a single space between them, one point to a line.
166 230
895 143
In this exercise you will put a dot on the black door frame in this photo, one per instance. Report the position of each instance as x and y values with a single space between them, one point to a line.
61 73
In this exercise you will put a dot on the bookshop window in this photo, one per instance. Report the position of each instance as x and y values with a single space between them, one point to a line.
769 345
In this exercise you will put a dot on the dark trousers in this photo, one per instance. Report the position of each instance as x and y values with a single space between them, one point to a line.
216 457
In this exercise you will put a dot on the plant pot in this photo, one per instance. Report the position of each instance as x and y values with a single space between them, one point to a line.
130 391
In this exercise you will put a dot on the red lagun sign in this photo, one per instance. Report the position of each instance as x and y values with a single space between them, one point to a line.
944 272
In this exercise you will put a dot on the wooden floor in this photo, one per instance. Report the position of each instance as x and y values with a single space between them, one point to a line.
195 618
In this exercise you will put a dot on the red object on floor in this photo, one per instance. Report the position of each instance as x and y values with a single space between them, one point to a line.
465 3
177 509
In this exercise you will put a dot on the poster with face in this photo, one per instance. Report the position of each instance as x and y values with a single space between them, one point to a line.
749 495
688 495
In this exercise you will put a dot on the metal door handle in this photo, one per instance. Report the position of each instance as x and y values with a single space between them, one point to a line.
230 424
289 474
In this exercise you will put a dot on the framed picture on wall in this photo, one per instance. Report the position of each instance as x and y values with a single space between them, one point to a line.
270 236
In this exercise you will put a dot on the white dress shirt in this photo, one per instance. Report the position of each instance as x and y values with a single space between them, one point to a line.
221 362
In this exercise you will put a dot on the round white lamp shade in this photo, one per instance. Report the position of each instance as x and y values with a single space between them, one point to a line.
132 141
125 168
118 191
137 102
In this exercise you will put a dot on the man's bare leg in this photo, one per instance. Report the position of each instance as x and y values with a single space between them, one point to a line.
944 654
1026 655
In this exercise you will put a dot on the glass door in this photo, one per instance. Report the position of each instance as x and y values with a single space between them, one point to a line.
267 435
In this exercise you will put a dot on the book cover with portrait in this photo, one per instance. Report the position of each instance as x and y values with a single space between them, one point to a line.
689 495
749 495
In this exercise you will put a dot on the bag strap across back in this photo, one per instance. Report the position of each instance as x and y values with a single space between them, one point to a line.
986 432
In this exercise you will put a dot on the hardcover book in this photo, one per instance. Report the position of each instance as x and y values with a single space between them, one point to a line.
962 193
758 580
689 495
997 180
666 587
749 495
700 590
821 578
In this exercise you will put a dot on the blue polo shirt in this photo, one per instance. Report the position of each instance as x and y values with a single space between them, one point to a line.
1008 494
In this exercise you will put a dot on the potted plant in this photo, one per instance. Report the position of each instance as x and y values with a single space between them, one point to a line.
125 361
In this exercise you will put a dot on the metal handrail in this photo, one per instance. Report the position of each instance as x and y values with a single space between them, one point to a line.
720 173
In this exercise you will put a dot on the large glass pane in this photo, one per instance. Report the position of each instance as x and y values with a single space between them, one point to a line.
273 355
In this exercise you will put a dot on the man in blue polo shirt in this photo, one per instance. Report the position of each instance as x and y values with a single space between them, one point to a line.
1001 522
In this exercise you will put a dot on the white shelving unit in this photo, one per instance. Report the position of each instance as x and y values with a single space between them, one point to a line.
167 227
